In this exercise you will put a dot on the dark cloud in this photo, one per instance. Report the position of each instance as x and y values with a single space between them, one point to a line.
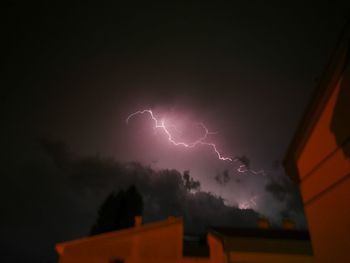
237 180
223 178
284 190
244 160
276 165
55 196
278 190
77 72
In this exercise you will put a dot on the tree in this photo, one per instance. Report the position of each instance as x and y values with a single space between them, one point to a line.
118 211
189 183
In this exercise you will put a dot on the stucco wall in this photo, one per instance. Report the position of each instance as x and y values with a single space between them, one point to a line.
160 244
324 171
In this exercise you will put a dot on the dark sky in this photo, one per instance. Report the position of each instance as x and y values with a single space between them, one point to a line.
73 73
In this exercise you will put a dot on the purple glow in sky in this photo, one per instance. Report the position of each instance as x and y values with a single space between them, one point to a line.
192 145
204 85
169 128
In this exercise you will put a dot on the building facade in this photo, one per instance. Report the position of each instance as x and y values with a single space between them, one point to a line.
264 245
149 243
164 242
319 159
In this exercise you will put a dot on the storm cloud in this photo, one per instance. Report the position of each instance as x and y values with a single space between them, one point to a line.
76 185
284 190
223 178
76 73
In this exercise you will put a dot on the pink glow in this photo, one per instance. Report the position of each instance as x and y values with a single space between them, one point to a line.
160 124
249 204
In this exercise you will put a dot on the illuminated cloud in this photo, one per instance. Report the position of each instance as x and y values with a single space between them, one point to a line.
168 128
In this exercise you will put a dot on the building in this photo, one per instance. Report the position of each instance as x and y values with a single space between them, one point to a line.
154 242
319 159
264 245
163 242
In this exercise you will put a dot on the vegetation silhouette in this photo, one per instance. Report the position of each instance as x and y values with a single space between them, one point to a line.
118 211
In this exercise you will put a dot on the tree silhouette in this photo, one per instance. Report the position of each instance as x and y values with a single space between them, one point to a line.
118 211
189 182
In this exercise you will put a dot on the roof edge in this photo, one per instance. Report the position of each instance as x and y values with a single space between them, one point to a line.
319 98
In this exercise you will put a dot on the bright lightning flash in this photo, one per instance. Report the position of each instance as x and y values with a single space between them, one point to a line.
160 124
250 204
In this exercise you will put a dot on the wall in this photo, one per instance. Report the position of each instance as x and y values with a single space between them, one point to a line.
162 242
324 172
159 244
243 249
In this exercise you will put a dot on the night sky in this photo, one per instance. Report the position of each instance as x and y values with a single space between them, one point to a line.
73 73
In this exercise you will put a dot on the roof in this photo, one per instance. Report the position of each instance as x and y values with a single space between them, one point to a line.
262 233
322 92
120 233
274 241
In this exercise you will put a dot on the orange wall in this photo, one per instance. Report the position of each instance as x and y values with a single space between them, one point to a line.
216 249
329 218
322 141
325 186
162 244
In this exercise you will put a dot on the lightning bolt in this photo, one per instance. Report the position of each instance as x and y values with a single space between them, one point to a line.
249 204
160 124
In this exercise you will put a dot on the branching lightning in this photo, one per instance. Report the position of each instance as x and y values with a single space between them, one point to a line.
249 204
161 124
